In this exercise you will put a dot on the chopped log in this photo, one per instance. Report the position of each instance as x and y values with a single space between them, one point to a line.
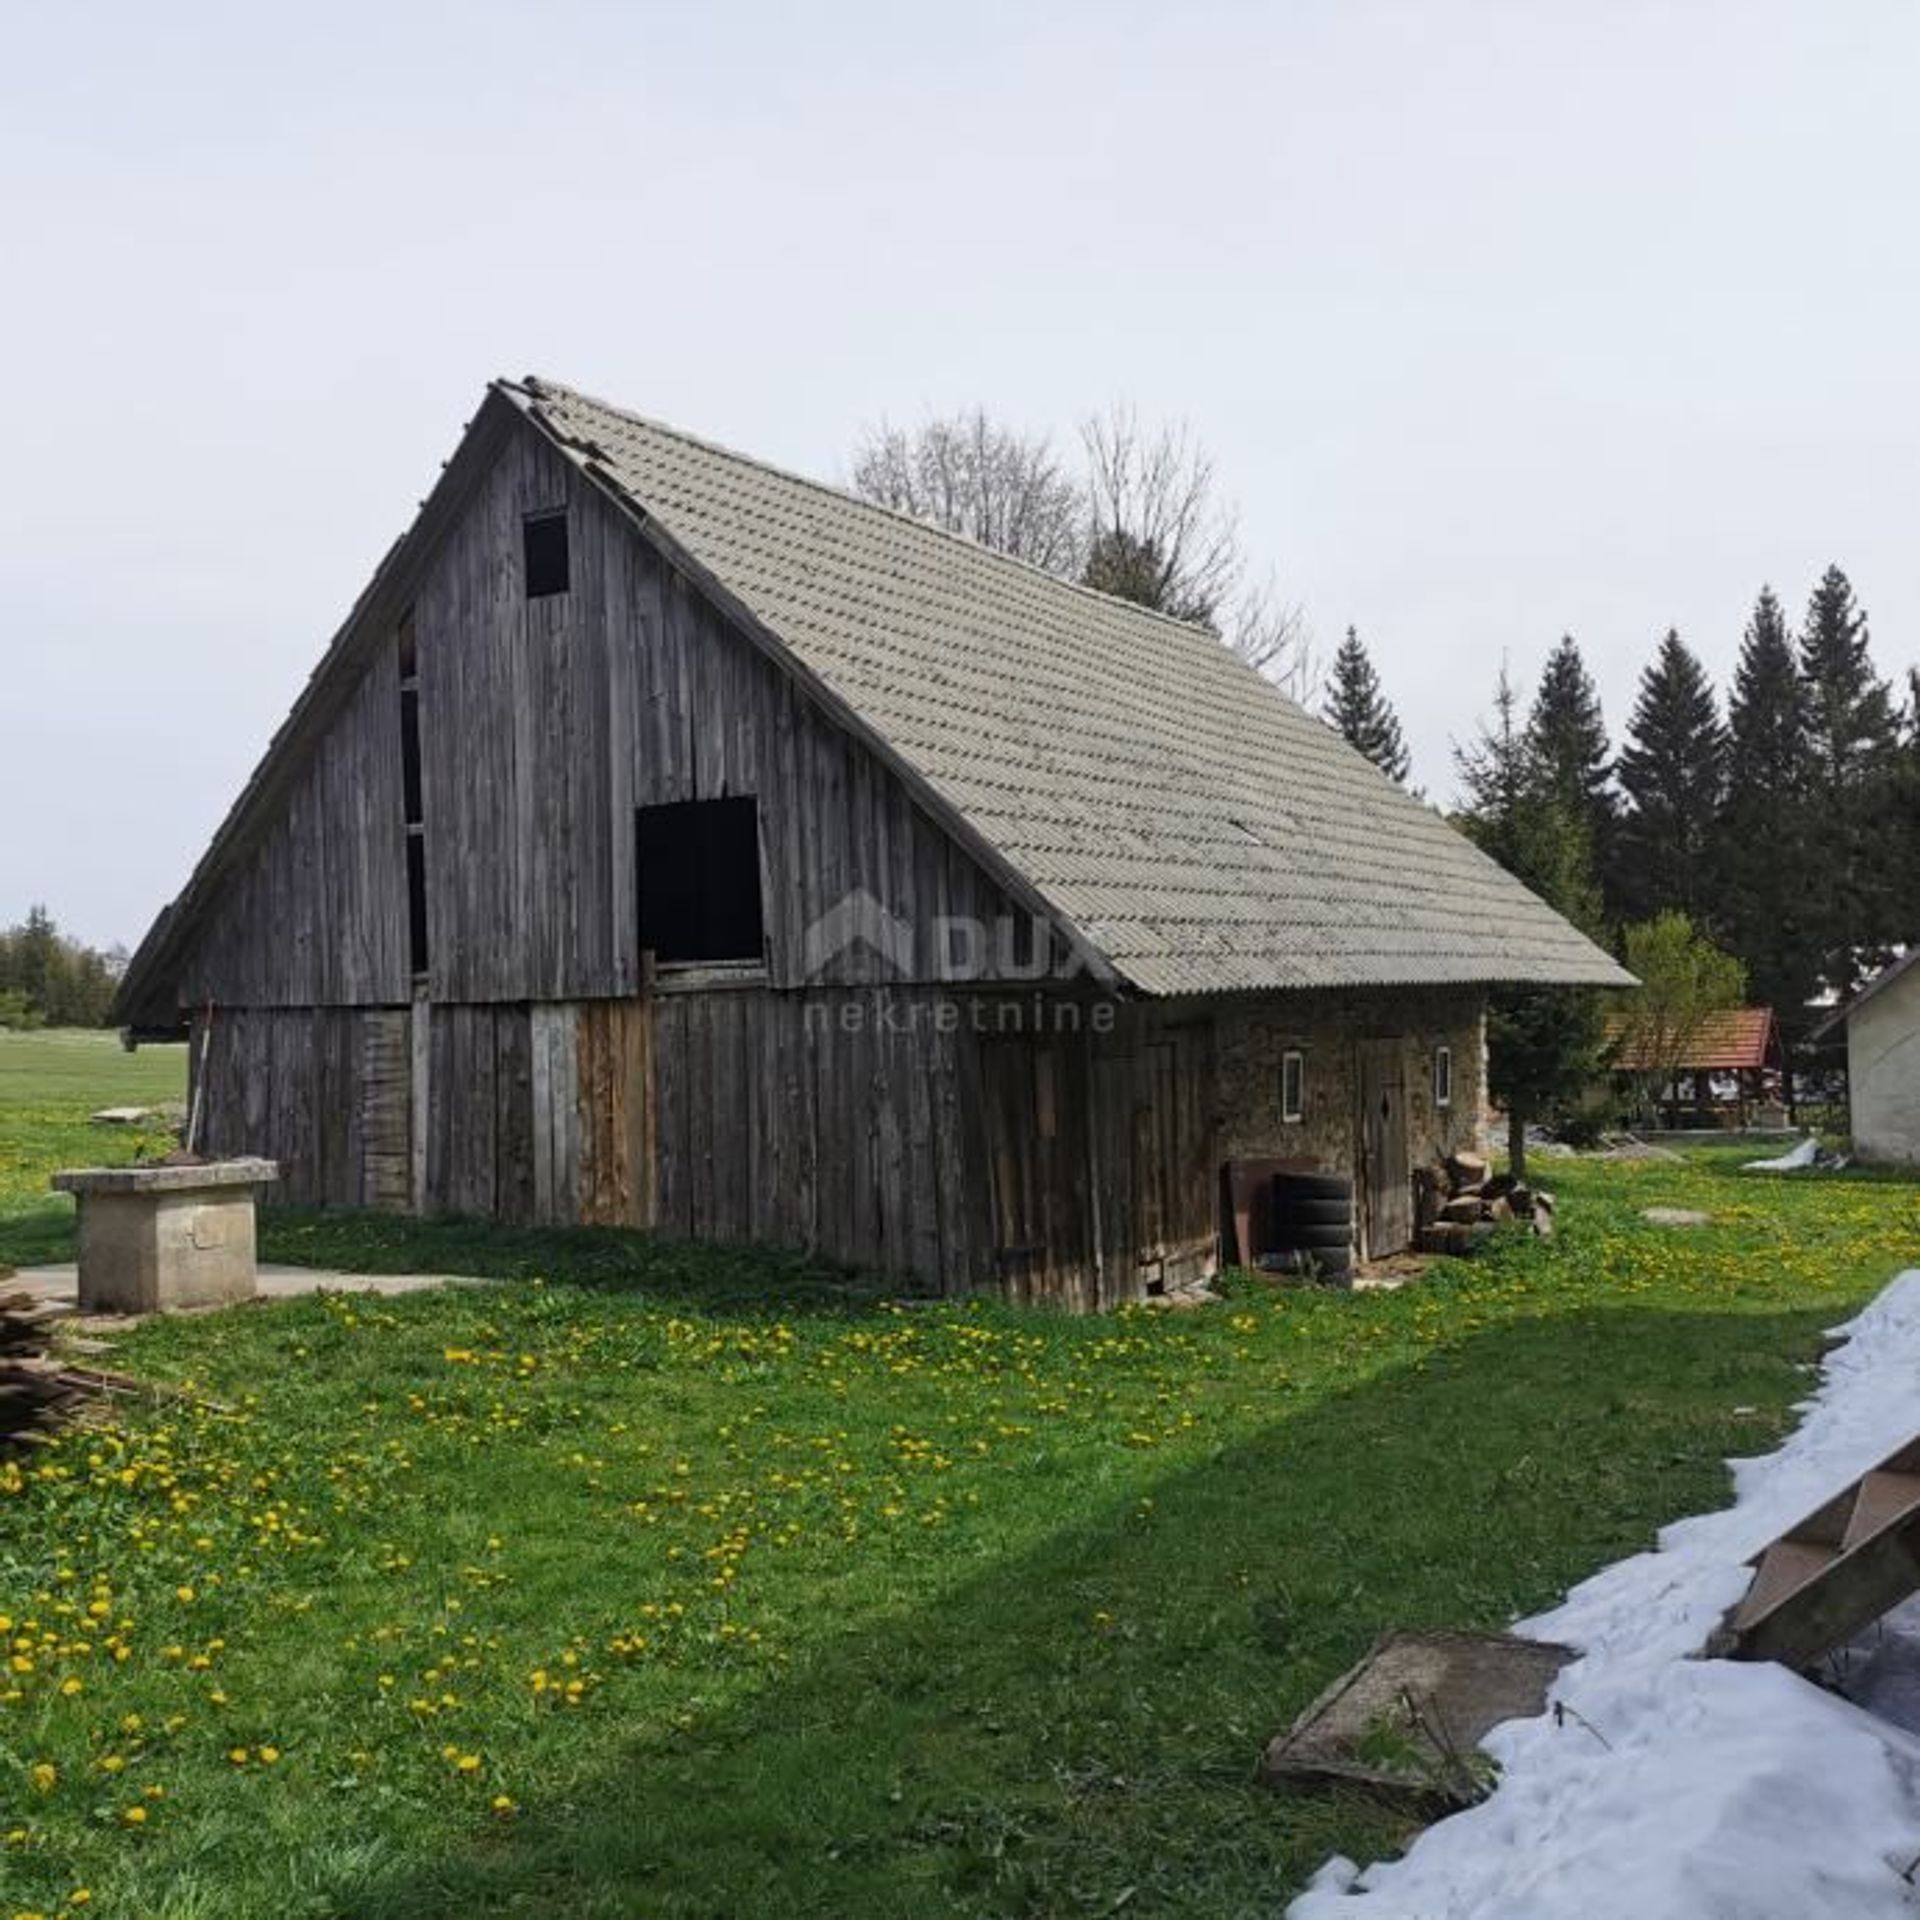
1463 1210
1468 1172
1432 1188
1500 1211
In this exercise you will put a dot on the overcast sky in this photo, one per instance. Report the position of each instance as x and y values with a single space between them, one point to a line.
1501 321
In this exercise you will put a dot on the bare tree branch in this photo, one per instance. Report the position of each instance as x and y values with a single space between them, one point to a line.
1146 524
1158 534
1004 489
1272 636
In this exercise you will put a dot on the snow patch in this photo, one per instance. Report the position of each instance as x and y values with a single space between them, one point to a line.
1794 1160
1674 1788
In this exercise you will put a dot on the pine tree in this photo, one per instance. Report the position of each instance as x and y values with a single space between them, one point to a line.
1852 767
1671 770
1566 742
1358 709
1542 1043
1905 920
1764 857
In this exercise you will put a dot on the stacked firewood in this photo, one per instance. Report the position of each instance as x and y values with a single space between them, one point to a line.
37 1392
1460 1203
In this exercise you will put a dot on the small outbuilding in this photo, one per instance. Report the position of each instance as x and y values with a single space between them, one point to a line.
1730 1071
1882 1026
674 842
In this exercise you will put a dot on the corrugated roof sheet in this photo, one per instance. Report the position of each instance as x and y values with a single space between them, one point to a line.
1198 828
1739 1037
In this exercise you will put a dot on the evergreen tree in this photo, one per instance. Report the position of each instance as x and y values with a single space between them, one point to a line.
1905 919
1567 744
51 979
1672 770
1853 764
1764 856
1543 1043
1358 710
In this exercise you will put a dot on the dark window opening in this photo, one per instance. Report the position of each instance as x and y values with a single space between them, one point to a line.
545 539
698 869
1293 1086
410 754
409 649
417 902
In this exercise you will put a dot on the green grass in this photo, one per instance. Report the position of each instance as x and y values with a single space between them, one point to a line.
49 1083
751 1594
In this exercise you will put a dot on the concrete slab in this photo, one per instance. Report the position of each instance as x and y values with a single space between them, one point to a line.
1410 1717
59 1287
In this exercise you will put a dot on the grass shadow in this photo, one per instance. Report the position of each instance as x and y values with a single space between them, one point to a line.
1073 1729
708 1276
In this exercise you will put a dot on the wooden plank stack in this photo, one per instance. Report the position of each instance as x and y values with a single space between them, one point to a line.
37 1393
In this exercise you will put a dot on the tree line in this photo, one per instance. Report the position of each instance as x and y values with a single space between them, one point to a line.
49 979
1784 827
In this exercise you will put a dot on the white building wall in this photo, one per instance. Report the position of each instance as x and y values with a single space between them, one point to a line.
1883 1066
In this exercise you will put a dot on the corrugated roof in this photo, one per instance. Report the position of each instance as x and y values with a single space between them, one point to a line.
1737 1038
1199 829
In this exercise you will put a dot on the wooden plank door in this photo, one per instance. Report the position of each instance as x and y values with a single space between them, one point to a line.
1175 1224
1033 1094
1386 1173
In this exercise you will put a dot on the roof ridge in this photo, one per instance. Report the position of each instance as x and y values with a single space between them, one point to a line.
536 386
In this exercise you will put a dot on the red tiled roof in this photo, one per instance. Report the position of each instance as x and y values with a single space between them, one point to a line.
1740 1037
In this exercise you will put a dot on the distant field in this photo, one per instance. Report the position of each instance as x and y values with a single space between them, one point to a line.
49 1083
71 1064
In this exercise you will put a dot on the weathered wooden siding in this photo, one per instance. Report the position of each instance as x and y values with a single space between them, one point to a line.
324 1091
895 1129
544 723
316 914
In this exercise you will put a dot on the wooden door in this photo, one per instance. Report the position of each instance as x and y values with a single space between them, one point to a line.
1386 1175
1034 1096
1175 1224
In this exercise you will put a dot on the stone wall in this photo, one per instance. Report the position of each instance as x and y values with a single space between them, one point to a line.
1252 1035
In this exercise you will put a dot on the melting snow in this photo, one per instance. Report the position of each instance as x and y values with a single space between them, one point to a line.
1676 1788
1794 1160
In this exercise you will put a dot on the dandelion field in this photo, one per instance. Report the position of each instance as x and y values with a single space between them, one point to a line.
658 1580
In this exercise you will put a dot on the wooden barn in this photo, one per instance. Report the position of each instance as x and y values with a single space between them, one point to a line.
670 841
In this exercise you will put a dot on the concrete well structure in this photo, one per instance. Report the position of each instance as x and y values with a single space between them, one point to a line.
156 1238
